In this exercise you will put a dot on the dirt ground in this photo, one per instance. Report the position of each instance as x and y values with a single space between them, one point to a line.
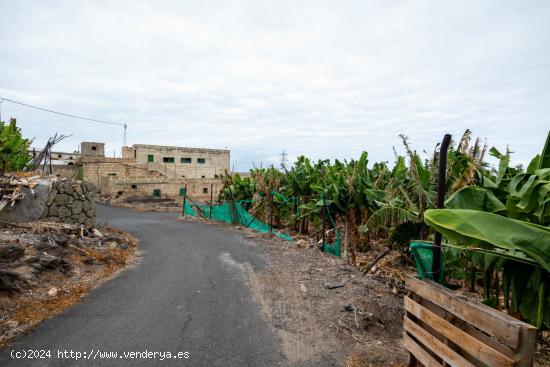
326 311
59 265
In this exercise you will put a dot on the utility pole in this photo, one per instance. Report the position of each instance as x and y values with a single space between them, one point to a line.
283 159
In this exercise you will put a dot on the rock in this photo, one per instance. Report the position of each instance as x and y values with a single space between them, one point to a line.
51 197
11 252
52 211
303 288
62 199
63 212
97 232
123 246
10 281
70 199
76 207
86 205
49 262
82 218
52 292
60 238
301 243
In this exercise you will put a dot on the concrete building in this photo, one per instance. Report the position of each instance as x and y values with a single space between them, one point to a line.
179 162
150 170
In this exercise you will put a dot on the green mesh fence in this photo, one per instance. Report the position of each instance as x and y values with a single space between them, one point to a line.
332 248
229 213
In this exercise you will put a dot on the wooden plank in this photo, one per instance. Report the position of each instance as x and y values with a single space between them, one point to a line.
419 353
435 345
468 343
504 328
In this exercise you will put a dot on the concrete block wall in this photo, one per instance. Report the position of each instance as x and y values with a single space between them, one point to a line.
96 168
197 189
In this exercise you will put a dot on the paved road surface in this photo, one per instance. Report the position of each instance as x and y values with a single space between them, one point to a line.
188 294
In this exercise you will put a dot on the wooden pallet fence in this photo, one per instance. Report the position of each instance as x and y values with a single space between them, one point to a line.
443 328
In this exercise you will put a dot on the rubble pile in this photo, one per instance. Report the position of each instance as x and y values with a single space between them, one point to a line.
11 185
46 266
30 250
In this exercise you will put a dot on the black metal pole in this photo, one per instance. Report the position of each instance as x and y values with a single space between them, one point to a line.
323 220
184 199
211 193
436 262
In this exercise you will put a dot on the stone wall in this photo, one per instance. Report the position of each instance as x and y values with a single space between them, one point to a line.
70 202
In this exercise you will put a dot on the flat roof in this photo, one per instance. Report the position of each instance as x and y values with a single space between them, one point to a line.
184 149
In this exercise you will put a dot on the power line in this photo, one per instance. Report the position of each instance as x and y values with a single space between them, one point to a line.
68 115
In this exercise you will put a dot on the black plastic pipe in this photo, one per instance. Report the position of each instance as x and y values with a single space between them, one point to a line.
436 262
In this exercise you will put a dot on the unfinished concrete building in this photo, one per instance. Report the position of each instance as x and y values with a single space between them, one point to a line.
151 170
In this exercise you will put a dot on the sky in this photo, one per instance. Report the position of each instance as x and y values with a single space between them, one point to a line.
326 79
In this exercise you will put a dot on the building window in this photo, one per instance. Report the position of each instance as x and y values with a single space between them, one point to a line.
205 190
201 160
94 147
59 156
134 186
168 159
135 154
150 158
185 160
111 174
156 193
203 176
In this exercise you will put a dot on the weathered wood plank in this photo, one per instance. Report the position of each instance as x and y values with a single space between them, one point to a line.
504 328
435 345
468 343
419 353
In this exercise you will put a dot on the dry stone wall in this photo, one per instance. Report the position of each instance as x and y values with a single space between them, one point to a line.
70 202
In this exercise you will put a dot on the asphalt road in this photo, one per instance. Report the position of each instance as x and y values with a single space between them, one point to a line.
188 293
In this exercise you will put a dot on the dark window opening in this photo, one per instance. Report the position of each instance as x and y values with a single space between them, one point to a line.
203 176
185 160
150 158
168 159
156 193
201 160
71 157
205 190
70 164
118 194
216 176
134 186
59 156
111 174
94 147
135 154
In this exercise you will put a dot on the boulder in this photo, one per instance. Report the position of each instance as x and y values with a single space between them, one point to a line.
11 252
76 207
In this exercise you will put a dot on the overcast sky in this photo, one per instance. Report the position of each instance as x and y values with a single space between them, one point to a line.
325 79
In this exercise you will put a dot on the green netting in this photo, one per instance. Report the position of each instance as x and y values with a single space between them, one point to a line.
332 248
229 213
422 254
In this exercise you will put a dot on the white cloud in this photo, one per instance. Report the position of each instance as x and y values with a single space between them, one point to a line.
325 79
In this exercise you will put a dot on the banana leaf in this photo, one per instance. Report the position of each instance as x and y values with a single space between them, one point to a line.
478 228
475 198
